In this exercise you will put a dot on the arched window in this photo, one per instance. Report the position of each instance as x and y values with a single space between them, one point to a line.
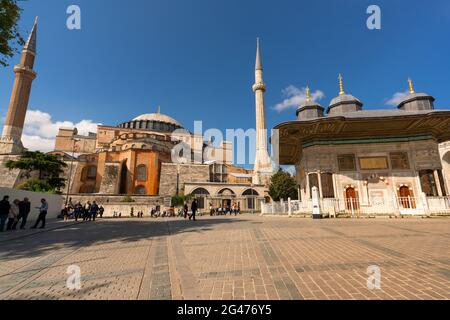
200 192
250 192
140 190
226 192
141 172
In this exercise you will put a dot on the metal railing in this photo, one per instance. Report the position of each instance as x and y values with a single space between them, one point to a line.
355 207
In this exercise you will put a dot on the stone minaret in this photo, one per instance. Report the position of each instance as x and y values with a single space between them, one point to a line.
10 142
262 169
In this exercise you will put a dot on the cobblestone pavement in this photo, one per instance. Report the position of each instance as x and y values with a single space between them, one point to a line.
246 257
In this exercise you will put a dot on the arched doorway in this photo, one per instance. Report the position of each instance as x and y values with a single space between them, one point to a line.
351 199
200 194
227 195
250 196
406 197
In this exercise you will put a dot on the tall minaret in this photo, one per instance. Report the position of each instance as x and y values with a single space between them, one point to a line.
262 169
10 142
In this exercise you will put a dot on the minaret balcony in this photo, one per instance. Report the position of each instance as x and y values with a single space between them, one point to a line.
259 86
25 70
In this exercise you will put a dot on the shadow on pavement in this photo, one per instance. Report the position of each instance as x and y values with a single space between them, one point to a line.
108 231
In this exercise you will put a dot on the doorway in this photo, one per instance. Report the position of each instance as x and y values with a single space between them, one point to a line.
406 198
351 199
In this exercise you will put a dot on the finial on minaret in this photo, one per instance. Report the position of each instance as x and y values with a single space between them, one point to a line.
411 86
158 110
31 42
308 94
341 85
258 64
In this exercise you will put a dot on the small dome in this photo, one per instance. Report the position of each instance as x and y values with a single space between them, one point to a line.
416 96
344 99
157 117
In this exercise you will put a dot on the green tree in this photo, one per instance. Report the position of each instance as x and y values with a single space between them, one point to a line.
48 167
10 36
283 186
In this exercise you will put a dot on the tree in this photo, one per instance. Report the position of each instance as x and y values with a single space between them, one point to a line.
283 186
48 167
9 32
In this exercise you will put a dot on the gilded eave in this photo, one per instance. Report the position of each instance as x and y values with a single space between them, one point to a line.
293 135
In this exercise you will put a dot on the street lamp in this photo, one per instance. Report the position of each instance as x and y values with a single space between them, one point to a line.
74 140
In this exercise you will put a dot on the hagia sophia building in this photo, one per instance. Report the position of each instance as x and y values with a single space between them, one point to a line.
376 160
135 158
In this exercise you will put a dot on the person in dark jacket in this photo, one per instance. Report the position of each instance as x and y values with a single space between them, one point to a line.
24 211
93 211
194 207
185 210
101 210
5 206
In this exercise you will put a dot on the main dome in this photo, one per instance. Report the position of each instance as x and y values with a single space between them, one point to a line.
153 122
157 117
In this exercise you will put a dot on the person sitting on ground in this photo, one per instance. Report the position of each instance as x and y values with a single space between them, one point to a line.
13 215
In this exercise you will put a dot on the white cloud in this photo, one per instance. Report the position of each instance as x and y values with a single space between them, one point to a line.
295 97
397 98
40 130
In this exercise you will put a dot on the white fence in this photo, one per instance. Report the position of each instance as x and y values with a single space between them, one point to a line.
354 207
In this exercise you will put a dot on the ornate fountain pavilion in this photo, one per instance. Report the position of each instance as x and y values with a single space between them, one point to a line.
374 161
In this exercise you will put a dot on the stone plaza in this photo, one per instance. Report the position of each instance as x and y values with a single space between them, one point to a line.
243 257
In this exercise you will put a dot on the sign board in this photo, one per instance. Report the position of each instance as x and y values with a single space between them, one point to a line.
167 202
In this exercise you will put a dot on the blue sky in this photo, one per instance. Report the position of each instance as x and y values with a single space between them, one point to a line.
196 58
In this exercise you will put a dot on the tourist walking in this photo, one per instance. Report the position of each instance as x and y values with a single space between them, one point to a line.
13 215
185 210
194 207
24 211
101 210
42 214
4 212
93 211
87 211
78 211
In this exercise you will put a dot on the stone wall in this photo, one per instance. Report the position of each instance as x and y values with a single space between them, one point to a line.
111 179
9 178
55 202
188 173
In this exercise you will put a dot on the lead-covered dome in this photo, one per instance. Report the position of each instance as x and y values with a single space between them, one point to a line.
157 117
153 122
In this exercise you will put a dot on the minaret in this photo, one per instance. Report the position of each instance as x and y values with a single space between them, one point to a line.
11 142
262 169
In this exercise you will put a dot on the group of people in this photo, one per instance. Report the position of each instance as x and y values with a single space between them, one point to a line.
17 211
224 210
87 212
